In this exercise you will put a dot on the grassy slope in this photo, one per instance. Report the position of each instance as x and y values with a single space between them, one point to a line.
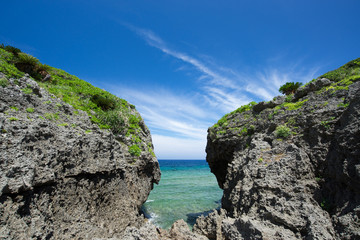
104 109
341 77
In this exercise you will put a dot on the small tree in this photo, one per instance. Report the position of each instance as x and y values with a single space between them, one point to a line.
289 87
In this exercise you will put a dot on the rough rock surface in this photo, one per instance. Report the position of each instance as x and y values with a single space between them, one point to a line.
61 177
179 231
302 186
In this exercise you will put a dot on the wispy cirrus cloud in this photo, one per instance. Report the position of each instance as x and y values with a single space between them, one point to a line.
155 41
180 122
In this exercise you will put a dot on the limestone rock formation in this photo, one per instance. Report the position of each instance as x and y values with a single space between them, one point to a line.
61 176
290 168
179 231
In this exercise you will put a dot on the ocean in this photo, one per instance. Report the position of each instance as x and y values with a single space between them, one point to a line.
187 189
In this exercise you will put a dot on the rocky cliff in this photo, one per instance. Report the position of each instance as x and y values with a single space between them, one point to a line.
75 163
290 167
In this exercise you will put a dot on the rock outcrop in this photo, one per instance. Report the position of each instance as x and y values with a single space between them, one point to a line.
290 168
61 176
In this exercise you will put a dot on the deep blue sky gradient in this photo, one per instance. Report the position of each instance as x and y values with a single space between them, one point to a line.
186 63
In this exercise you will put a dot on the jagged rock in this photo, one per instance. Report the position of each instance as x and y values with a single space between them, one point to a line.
61 176
210 226
302 182
311 87
179 231
263 105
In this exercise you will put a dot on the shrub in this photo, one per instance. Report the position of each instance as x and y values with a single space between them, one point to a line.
7 67
52 116
135 150
27 90
289 97
26 63
30 110
282 131
43 67
111 120
11 49
103 102
4 82
289 87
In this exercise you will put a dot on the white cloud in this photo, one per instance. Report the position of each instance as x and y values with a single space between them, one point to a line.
178 148
164 112
179 123
153 40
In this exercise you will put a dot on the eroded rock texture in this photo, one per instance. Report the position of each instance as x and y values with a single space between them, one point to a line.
302 186
61 177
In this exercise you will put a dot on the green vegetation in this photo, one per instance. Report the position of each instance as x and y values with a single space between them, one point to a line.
344 105
7 65
289 97
282 131
104 109
52 116
351 68
10 49
260 160
88 131
289 88
244 131
14 108
4 82
294 106
244 108
30 110
151 152
325 124
63 124
135 150
27 90
13 119
224 119
325 205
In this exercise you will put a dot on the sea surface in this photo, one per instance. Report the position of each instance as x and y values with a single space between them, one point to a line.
187 189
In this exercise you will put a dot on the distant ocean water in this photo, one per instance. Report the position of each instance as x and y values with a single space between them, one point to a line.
186 190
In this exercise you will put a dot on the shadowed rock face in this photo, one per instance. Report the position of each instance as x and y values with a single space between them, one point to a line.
304 186
61 177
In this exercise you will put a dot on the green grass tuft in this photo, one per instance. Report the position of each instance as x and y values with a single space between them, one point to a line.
135 150
13 119
282 131
27 90
4 82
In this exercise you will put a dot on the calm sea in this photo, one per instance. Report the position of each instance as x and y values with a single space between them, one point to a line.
186 190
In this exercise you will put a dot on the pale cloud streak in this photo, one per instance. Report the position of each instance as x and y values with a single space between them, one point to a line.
179 123
155 41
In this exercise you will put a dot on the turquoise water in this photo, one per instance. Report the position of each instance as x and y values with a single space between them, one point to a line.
186 190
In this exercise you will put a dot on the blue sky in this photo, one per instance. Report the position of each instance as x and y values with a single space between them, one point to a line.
184 64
